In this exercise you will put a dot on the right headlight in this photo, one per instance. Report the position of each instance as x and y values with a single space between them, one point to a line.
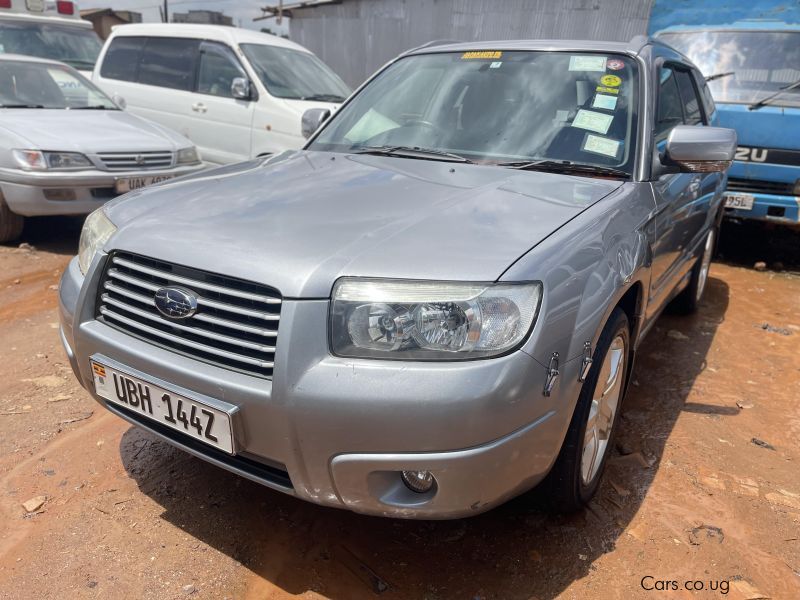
95 233
426 320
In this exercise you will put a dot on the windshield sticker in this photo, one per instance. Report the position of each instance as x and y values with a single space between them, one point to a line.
483 54
600 145
495 65
614 64
593 121
610 80
606 90
605 102
587 63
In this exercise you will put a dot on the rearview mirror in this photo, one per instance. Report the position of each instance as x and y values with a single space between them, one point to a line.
240 88
700 149
312 119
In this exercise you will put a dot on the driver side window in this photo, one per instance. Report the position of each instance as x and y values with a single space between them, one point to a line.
218 69
670 111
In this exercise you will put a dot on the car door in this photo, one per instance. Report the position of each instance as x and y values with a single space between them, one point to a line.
221 125
682 199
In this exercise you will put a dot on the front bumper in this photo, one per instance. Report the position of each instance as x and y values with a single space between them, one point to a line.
338 432
772 208
32 194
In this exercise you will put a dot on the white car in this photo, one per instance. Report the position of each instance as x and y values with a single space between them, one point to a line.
237 94
66 148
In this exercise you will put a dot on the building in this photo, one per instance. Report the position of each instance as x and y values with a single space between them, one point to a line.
202 17
103 19
356 37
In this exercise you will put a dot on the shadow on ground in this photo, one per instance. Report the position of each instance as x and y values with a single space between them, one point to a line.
746 243
517 551
58 235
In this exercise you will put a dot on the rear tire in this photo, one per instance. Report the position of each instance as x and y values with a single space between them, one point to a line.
688 301
11 224
579 467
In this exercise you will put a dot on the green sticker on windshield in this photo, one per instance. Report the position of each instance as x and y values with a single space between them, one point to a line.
592 120
587 63
602 145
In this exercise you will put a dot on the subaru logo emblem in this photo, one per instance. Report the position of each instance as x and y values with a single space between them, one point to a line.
175 303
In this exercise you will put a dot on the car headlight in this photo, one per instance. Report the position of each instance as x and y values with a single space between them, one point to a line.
95 233
39 161
424 320
188 156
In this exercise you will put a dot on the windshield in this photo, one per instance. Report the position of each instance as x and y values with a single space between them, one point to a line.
38 85
75 46
761 62
295 75
497 107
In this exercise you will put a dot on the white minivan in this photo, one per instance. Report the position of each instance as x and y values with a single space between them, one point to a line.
237 94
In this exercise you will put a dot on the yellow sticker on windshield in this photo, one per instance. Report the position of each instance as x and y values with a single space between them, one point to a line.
607 90
610 80
486 54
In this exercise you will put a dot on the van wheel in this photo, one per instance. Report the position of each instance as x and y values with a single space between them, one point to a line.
688 301
11 224
579 467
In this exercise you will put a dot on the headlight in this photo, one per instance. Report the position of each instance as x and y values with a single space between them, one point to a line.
96 231
188 156
401 319
39 161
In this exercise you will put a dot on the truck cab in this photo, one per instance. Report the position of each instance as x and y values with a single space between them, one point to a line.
753 71
49 29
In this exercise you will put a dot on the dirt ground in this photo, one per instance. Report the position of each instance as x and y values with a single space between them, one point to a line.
703 487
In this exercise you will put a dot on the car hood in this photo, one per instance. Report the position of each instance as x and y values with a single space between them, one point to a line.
88 130
299 221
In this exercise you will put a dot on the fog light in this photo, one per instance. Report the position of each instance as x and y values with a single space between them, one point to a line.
417 481
62 195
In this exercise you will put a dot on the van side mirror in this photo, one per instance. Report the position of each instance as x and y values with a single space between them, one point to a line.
240 88
312 119
700 149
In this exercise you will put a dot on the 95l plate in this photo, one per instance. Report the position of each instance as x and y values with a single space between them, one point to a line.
191 417
739 201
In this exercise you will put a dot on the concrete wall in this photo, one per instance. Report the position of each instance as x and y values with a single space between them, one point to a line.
356 37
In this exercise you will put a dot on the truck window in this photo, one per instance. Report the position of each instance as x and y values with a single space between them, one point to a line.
218 69
169 62
689 99
122 58
670 110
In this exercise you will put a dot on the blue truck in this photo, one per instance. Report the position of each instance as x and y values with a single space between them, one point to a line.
753 71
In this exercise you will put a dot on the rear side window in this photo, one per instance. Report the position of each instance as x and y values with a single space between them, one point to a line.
689 99
169 63
122 58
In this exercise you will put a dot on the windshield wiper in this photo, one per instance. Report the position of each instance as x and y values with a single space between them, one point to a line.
565 166
324 98
21 105
719 75
765 101
411 152
92 107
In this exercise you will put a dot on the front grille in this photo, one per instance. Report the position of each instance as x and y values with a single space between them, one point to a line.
131 161
757 186
235 326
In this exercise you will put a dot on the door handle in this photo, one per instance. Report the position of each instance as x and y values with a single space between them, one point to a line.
199 107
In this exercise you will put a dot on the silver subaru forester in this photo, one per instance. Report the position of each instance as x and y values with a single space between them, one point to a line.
436 304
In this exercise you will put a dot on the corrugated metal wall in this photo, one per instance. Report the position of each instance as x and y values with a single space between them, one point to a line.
358 36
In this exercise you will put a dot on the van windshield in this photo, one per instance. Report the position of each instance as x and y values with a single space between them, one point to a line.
497 107
759 63
76 46
295 75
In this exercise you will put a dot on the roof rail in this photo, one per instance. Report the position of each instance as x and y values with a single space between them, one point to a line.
431 44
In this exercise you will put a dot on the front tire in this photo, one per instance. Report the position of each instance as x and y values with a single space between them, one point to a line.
579 467
688 301
11 224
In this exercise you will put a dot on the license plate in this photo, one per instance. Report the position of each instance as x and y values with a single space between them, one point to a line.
196 419
134 183
740 201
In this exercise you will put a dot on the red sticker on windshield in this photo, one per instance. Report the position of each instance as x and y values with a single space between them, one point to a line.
615 64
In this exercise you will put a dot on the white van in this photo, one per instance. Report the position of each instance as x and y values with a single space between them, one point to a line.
237 94
48 29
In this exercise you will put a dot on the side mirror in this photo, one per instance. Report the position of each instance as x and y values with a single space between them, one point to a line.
312 119
119 101
700 149
240 88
